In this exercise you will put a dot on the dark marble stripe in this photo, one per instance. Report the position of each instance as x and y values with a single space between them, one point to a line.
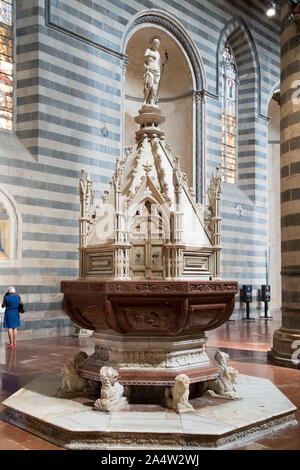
95 7
251 187
51 237
43 186
248 264
240 275
290 145
68 91
232 251
86 33
46 220
289 45
290 245
285 171
36 271
38 202
291 296
255 176
290 120
42 306
22 13
71 108
249 230
291 69
46 34
67 123
258 165
243 241
291 220
73 141
50 254
72 157
34 289
51 170
42 324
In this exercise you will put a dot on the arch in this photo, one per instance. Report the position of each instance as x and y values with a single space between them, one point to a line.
234 25
166 22
13 251
250 139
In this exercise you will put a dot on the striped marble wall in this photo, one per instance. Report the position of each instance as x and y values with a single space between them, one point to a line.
68 81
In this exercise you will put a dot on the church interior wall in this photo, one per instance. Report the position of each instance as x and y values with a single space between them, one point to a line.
69 104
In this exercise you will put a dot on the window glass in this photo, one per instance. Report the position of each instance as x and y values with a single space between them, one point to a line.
229 92
6 65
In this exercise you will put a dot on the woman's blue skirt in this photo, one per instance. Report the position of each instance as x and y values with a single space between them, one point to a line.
11 318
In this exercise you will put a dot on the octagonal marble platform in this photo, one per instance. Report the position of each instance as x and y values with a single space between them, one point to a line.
215 423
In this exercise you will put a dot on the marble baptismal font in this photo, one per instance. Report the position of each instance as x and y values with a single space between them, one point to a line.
149 288
149 282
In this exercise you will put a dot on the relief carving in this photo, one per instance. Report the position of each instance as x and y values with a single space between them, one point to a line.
147 287
145 320
174 288
197 287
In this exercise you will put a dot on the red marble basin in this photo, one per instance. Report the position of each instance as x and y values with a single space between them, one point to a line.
149 308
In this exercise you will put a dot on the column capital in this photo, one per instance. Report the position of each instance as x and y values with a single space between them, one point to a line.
125 63
199 96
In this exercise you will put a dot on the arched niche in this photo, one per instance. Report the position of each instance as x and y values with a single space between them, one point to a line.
10 230
248 108
237 33
181 95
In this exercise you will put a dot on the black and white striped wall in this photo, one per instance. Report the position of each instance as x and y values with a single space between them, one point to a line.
68 90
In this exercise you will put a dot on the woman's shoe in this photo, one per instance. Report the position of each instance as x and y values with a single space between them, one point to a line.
10 346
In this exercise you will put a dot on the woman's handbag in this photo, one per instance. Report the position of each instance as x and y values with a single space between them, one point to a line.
21 307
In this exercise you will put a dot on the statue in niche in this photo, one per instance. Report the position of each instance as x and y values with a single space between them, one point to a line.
152 73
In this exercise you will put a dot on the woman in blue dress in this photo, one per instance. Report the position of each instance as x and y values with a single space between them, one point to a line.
11 316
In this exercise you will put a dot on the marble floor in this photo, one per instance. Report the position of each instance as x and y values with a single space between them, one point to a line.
246 343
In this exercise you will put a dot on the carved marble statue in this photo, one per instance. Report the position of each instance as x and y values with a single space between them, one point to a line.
112 392
224 385
152 73
177 397
72 383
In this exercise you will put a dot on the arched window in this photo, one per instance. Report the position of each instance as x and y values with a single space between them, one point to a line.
229 119
6 65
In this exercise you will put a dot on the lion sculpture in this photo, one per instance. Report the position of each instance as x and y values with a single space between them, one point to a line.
72 383
177 397
111 391
224 385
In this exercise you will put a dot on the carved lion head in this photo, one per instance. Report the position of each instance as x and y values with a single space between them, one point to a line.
109 373
221 358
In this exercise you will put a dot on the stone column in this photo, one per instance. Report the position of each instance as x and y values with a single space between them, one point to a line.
286 340
199 101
